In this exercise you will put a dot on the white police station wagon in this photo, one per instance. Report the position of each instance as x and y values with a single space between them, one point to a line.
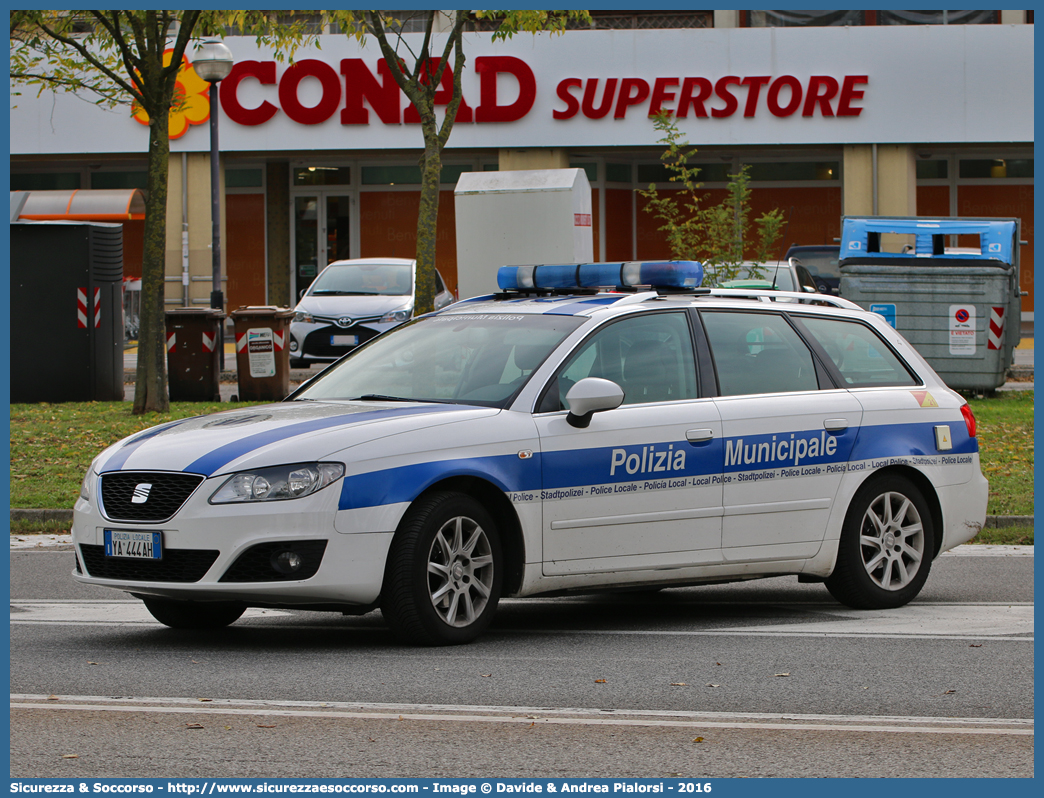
552 437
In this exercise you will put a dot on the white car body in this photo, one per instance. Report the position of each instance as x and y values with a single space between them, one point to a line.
344 322
665 492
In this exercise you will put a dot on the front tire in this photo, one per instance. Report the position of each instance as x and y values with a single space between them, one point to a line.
194 614
445 571
886 546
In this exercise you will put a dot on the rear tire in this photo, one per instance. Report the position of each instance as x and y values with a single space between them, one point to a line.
194 614
886 546
444 574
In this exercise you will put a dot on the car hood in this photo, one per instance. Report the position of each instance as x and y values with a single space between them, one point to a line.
289 432
356 307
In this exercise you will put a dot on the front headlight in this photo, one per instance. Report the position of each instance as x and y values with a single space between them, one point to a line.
277 483
397 315
303 315
89 485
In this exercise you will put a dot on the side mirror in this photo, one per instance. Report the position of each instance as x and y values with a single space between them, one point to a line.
591 395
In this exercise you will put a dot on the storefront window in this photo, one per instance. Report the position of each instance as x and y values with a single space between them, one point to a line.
795 170
618 172
243 178
936 17
658 173
933 170
322 176
120 180
788 19
46 181
590 169
997 167
409 175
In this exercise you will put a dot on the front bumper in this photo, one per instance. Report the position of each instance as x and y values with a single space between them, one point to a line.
227 552
322 342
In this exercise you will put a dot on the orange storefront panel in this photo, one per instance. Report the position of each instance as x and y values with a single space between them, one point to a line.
619 211
1006 201
388 228
933 201
133 247
245 250
811 215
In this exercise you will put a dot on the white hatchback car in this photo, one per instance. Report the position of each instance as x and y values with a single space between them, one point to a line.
352 301
552 438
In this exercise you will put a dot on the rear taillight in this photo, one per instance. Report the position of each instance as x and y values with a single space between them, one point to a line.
969 419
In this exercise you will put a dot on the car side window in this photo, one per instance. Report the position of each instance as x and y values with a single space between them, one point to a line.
650 356
859 353
758 353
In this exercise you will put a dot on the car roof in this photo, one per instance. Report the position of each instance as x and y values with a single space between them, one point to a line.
611 303
373 262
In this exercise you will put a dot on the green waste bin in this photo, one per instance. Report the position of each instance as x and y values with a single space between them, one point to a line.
193 356
262 352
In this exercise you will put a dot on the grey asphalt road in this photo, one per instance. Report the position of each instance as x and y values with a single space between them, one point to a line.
771 677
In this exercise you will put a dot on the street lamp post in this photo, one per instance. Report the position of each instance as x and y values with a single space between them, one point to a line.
212 63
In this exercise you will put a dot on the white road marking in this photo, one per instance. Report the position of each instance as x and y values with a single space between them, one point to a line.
97 613
530 715
1001 622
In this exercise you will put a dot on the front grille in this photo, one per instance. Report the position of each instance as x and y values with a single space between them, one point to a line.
159 494
317 343
177 565
255 564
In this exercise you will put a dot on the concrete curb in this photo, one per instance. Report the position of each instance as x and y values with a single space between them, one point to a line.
66 517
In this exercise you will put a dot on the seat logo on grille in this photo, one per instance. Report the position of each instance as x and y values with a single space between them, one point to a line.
344 322
141 493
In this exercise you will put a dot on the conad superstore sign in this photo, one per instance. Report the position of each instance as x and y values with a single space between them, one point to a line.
599 88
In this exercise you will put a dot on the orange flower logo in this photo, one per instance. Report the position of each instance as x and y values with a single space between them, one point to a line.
192 102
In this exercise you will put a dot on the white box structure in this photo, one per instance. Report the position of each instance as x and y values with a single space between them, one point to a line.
520 217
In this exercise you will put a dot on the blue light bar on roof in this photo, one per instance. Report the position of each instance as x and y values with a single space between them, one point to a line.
547 276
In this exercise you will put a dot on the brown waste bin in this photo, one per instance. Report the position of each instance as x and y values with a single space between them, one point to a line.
193 356
262 354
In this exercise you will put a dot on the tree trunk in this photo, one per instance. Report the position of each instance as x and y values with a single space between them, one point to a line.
150 387
427 218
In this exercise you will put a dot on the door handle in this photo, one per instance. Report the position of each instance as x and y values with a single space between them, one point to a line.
697 436
835 424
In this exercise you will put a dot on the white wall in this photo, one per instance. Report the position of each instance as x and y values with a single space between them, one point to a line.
925 83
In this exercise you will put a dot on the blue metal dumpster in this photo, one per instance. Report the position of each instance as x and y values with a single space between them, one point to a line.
960 307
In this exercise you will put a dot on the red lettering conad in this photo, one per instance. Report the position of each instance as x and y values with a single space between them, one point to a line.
265 72
328 103
488 67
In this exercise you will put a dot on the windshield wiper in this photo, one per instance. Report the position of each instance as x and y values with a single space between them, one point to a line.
379 397
335 292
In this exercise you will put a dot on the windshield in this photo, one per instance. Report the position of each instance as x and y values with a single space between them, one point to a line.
772 273
462 359
820 264
364 279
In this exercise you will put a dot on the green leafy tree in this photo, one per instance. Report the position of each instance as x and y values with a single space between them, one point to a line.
716 235
418 70
119 58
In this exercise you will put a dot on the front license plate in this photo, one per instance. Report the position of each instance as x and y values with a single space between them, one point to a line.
133 545
344 340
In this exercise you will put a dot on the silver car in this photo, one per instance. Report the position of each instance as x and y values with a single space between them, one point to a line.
352 301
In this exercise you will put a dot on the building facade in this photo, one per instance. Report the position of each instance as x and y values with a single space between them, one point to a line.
840 113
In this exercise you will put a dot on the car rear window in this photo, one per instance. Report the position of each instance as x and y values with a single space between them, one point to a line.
860 354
